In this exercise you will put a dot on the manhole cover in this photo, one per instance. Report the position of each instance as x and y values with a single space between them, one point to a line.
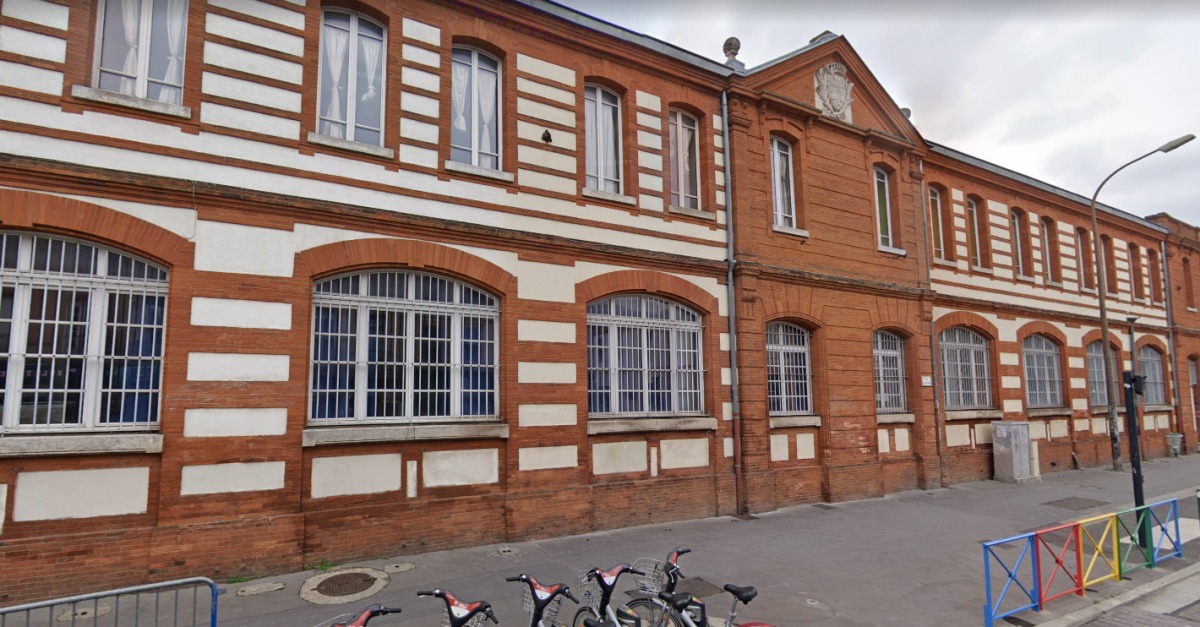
345 584
1075 503
698 588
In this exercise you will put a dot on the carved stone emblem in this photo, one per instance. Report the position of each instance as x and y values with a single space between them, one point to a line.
833 92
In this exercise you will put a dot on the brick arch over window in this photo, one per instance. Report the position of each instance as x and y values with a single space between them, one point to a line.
361 254
647 282
374 9
1150 340
967 319
91 222
1094 336
1043 328
899 328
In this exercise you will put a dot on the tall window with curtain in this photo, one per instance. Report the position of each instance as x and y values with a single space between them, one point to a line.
1150 365
1137 274
1154 271
1110 264
140 48
1084 259
1043 371
789 369
883 210
890 382
350 102
977 234
602 119
939 226
1050 254
474 108
966 369
782 190
685 160
1019 230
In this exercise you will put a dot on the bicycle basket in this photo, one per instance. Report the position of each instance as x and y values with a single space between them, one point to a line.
655 578
590 593
548 614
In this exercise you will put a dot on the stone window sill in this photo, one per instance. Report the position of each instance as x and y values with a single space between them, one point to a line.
1192 309
1157 408
945 262
599 426
974 414
600 194
1103 411
695 213
1027 279
328 436
133 102
981 270
887 419
899 252
1046 412
788 230
1053 283
474 170
80 444
351 146
789 422
1088 290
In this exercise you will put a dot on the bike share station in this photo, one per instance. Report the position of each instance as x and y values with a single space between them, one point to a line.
1027 571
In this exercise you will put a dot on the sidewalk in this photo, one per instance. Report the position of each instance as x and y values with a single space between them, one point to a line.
907 559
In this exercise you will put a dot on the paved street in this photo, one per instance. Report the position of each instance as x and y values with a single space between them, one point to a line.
908 559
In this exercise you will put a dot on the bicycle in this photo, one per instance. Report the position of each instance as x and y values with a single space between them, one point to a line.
688 611
663 577
366 615
598 586
460 614
540 602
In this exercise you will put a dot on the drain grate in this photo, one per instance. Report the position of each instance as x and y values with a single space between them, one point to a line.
345 584
698 588
1075 503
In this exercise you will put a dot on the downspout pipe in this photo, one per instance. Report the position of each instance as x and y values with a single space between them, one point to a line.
739 480
1166 288
933 347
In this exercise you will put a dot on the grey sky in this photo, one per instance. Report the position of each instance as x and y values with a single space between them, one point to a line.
1061 91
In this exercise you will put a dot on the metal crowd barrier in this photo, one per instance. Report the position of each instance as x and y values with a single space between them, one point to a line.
178 603
1035 568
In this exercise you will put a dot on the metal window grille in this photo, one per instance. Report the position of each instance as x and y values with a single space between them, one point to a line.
81 335
392 346
684 139
1097 391
781 167
890 380
789 369
644 358
883 208
1043 371
602 111
1150 365
965 369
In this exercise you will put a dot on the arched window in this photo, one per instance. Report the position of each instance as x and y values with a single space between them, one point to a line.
783 191
1019 224
1050 255
1097 390
82 340
966 370
1150 365
1043 371
684 139
141 48
789 369
1137 276
475 108
890 382
1084 260
645 357
393 346
602 118
351 88
884 222
1154 268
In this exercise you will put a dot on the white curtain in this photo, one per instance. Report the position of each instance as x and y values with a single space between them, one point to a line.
176 17
592 137
130 19
370 51
487 110
335 58
459 80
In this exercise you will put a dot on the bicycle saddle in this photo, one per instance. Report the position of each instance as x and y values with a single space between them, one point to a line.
591 622
745 595
678 601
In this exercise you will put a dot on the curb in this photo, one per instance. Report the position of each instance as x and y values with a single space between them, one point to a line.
1079 617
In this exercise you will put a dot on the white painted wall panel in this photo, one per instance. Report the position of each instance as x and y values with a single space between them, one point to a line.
418 104
649 140
241 314
60 494
806 446
37 12
422 32
235 477
355 474
958 435
252 121
546 112
780 447
902 443
31 78
237 367
544 69
264 11
546 159
418 156
544 331
728 446
546 457
545 91
270 38
547 415
222 247
32 44
420 78
690 453
533 132
234 422
650 161
545 372
248 91
983 433
3 504
651 203
649 101
420 55
614 457
547 182
650 182
883 440
1013 404
648 120
253 63
466 467
419 131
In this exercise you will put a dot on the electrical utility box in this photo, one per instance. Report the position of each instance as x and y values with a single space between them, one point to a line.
1011 452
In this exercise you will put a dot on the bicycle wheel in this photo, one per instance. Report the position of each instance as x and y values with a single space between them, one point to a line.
583 613
654 614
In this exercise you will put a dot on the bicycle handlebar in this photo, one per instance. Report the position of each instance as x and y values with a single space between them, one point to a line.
517 578
428 594
567 593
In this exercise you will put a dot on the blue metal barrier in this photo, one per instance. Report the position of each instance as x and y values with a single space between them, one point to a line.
995 607
151 604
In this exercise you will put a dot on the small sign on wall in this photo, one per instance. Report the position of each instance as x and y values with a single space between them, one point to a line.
926 381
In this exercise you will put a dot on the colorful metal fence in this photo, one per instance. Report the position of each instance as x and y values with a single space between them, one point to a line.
191 601
1027 571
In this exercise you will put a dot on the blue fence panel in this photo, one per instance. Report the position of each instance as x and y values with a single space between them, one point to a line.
1025 596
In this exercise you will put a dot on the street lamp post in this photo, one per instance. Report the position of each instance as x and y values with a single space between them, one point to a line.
1110 380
